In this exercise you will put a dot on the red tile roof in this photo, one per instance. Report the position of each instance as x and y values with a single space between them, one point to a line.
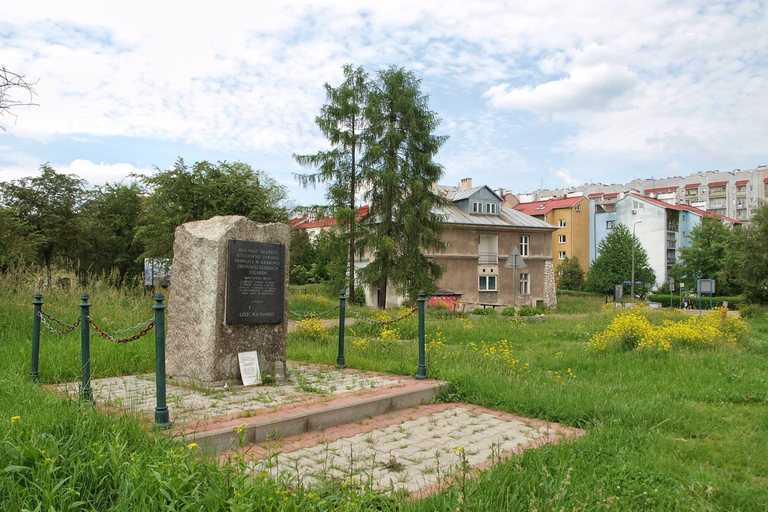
742 182
303 221
693 185
679 207
718 183
612 194
544 207
596 194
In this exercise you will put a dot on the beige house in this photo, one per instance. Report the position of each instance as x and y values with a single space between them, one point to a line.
481 233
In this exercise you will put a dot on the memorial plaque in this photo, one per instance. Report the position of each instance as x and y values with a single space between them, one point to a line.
255 283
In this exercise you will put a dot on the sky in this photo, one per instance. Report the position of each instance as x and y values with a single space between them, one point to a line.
543 94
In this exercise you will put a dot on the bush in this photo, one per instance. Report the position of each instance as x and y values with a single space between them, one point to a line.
510 311
486 311
734 302
526 311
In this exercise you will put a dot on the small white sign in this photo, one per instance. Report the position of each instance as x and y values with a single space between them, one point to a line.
249 368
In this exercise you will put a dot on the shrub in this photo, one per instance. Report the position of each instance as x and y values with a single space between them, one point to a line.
624 332
510 311
486 311
526 311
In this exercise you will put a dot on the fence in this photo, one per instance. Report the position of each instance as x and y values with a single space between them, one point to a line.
421 369
85 322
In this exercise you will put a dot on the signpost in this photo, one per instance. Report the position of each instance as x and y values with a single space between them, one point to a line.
706 286
514 261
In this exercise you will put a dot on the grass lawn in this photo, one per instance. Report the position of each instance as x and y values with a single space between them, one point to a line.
684 430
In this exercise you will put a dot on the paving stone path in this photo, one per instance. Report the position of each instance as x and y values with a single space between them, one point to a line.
190 403
416 451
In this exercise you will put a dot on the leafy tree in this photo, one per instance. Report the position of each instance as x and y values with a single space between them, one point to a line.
303 256
331 259
112 216
19 244
747 257
184 194
614 264
400 150
49 204
570 275
342 121
705 257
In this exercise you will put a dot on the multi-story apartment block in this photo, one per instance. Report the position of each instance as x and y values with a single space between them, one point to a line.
736 194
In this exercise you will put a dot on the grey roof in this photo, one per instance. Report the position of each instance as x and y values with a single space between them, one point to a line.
508 217
456 194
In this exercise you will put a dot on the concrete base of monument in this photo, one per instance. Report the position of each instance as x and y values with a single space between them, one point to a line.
379 430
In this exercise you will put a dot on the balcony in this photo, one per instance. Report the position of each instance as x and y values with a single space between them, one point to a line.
671 244
487 258
671 226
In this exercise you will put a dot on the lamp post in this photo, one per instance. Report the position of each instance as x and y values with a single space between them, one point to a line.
633 258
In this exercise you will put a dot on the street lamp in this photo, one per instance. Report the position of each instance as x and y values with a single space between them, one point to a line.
633 258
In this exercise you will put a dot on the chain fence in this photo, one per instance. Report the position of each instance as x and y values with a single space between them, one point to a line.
382 322
44 317
147 326
312 315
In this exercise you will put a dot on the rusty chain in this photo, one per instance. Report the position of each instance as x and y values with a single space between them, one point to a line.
313 315
382 322
69 328
105 335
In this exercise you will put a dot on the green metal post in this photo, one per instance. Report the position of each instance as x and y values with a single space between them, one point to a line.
340 363
421 370
162 419
86 393
34 373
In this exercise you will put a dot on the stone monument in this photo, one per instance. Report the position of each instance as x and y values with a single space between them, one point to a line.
228 295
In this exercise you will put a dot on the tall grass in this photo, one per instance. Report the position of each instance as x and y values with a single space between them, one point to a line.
684 430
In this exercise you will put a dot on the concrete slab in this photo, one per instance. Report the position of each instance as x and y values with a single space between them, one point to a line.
416 452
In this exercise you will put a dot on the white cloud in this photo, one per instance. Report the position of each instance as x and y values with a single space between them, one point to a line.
592 88
565 178
95 174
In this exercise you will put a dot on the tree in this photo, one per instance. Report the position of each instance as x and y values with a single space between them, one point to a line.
112 216
19 244
400 150
50 205
614 265
747 257
184 194
11 82
705 257
570 275
343 122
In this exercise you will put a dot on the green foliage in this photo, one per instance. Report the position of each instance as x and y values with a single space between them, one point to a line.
49 206
19 244
570 275
112 215
734 301
747 259
401 147
614 265
343 122
484 311
185 194
705 257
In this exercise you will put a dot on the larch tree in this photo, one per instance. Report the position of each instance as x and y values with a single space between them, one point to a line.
342 120
407 222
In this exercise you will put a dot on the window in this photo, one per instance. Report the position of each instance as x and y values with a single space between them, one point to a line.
486 283
561 223
488 249
561 255
525 285
477 207
610 224
490 207
525 242
561 239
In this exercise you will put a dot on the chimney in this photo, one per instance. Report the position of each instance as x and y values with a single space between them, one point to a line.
466 184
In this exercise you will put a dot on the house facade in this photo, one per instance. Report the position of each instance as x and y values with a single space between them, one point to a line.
480 235
571 217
